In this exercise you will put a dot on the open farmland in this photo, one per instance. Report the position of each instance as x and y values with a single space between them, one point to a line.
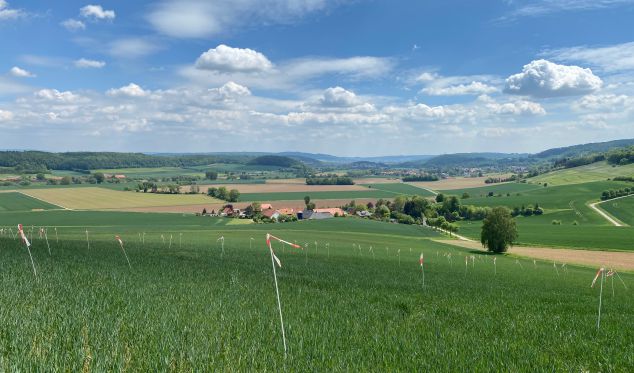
401 188
452 183
281 188
344 308
14 201
498 188
593 172
298 196
105 199
621 208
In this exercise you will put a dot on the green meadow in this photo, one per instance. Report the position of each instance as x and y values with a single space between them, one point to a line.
299 196
622 209
189 305
401 188
593 172
14 201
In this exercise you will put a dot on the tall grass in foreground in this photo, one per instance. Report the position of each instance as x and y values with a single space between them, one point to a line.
189 308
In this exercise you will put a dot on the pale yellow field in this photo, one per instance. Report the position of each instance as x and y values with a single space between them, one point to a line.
278 188
106 199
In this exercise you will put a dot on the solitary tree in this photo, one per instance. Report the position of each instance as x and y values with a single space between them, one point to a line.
306 200
100 177
233 196
498 230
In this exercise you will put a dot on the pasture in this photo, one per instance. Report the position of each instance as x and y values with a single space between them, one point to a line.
14 201
622 209
583 174
191 306
105 199
401 188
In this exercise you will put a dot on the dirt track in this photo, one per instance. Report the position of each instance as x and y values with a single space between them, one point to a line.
610 259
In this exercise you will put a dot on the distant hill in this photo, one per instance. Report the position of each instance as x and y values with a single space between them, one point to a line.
275 160
468 160
583 149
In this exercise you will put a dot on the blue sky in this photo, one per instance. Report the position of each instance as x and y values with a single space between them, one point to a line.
343 77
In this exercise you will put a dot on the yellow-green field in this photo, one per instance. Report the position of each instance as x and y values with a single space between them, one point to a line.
103 199
593 172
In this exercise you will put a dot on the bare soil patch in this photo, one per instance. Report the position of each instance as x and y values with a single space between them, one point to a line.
610 259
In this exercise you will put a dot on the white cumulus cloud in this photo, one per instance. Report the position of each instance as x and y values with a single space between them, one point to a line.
230 90
542 79
339 97
131 90
96 12
131 48
227 59
473 88
21 73
7 13
57 96
73 24
84 63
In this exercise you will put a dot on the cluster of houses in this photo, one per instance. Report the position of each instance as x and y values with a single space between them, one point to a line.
268 211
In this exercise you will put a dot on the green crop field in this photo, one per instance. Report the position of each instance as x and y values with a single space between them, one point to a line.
502 188
583 174
622 209
189 306
401 188
581 227
289 196
13 201
153 172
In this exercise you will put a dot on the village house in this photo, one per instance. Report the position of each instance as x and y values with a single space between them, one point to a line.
271 214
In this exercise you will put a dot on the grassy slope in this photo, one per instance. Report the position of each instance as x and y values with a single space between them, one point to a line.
622 209
502 188
567 203
583 174
188 308
12 202
401 188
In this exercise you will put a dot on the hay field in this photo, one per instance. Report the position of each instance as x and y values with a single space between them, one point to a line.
279 188
598 171
105 199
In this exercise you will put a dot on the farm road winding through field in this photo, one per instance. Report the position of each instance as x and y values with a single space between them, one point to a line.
607 216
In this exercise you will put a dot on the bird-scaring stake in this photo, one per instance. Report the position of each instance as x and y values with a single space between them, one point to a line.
275 260
28 246
122 249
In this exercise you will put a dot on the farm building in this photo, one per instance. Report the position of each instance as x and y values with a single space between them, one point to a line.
266 206
271 214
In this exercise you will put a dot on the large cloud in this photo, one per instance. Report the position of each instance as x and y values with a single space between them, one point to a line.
204 18
227 59
542 79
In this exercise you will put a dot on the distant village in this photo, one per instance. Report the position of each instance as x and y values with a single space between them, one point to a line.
267 212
